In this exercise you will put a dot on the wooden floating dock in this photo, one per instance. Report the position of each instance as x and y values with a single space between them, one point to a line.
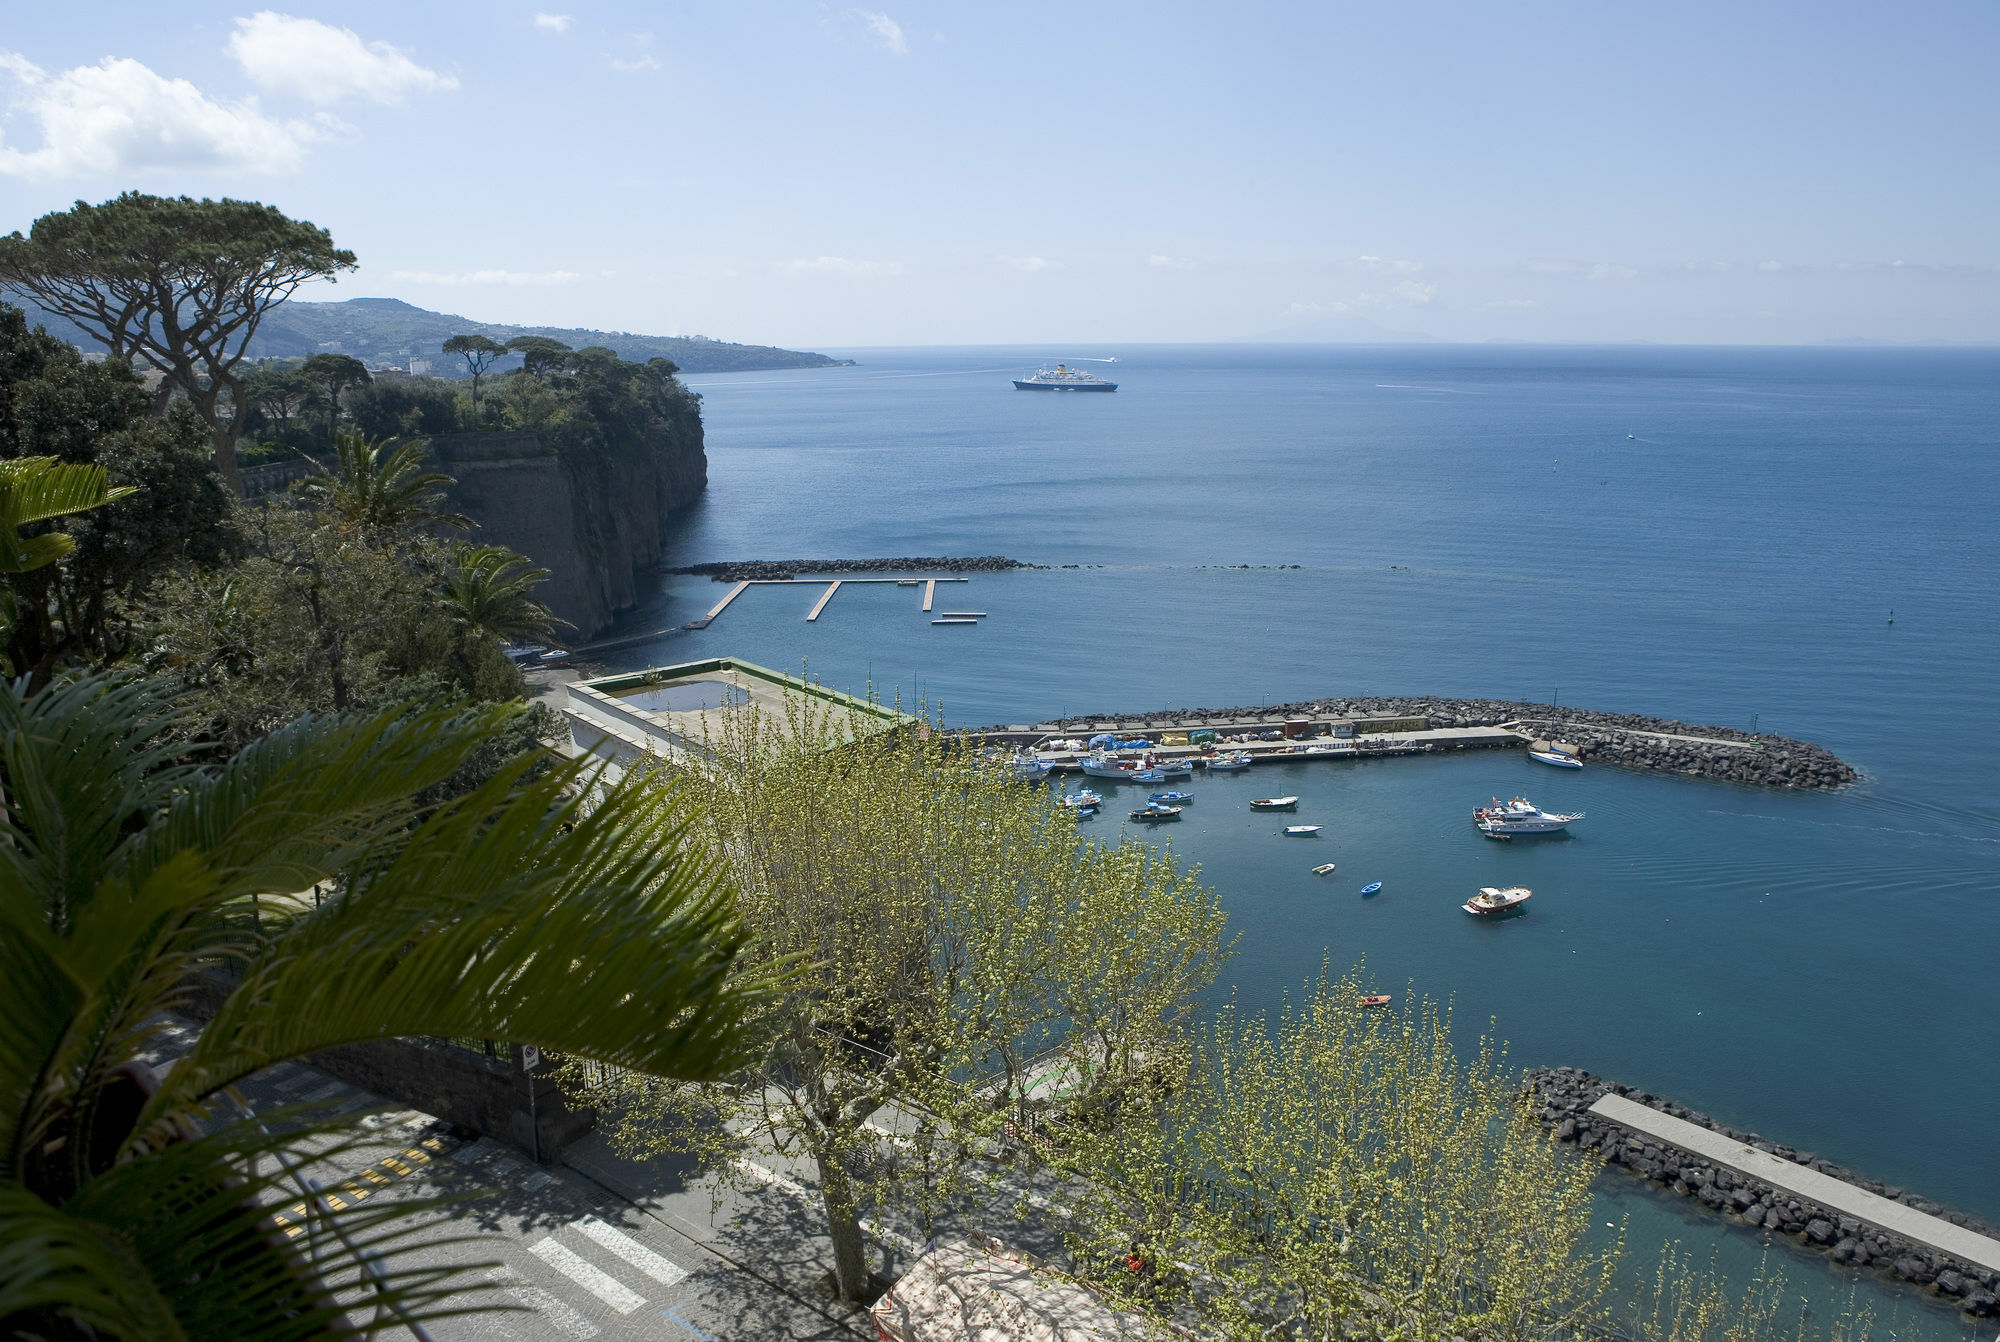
930 591
963 614
827 596
719 607
959 620
1836 1195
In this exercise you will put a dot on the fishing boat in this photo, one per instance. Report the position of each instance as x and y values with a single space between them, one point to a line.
1561 759
1146 776
1156 815
1104 766
1076 801
1323 869
1520 816
1489 901
1373 887
1226 763
1275 804
1302 831
1374 999
1176 768
1031 770
1170 798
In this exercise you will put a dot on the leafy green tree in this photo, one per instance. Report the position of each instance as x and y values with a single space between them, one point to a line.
951 925
1337 1171
491 589
53 403
276 393
134 1205
540 355
332 374
479 352
417 407
178 284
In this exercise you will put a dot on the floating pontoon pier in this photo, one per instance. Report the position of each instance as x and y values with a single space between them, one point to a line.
832 585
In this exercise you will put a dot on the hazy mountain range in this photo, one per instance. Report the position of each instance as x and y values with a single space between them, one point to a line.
387 332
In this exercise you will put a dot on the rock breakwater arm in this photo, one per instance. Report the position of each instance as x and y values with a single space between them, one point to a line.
1561 1098
768 570
1630 739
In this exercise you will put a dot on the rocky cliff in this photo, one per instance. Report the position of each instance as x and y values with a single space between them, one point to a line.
590 507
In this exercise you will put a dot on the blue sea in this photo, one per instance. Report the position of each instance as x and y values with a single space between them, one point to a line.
1803 540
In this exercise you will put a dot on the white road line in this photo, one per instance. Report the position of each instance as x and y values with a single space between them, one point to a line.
560 1316
598 1282
773 1178
662 1270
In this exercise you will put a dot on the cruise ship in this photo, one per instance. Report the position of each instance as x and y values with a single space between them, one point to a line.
1063 378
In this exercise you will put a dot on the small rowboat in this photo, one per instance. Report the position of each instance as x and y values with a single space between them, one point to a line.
1375 999
1156 815
1371 888
1147 776
1302 830
1170 798
1323 869
1275 804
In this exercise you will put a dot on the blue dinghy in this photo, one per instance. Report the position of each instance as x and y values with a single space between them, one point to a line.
1371 887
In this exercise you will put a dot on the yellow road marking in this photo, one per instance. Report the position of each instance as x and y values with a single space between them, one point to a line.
395 1164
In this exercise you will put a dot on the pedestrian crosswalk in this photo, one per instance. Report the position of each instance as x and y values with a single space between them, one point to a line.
589 1252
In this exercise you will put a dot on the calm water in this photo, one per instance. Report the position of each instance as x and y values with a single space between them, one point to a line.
1704 534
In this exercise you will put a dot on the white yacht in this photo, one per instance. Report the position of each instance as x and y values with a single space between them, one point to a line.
1519 816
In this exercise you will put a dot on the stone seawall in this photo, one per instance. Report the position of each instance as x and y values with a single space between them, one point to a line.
1630 739
1561 1098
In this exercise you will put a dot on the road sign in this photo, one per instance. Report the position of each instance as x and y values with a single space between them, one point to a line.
531 1057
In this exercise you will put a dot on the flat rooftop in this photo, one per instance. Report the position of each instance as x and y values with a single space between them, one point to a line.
667 710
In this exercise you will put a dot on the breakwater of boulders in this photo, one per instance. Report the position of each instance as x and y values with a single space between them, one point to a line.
1631 739
773 570
1561 1098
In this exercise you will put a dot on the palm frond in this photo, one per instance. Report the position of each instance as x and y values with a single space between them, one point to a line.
57 1265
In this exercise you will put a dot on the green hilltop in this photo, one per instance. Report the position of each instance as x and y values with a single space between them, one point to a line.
388 331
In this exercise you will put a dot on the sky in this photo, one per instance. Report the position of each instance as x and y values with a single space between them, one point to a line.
826 176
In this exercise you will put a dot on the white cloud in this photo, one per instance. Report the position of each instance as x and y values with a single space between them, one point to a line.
1170 262
1399 267
553 23
1605 271
886 30
640 60
840 265
1770 265
505 277
1031 264
1554 267
1512 303
1315 309
323 64
118 117
1415 292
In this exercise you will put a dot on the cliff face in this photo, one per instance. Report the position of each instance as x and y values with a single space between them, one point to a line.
591 506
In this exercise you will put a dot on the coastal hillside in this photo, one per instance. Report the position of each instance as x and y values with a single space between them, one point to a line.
387 332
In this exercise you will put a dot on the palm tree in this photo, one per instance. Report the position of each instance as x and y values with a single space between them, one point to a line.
519 911
382 487
40 489
490 589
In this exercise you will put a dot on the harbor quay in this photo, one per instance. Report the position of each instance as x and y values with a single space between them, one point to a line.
1855 1220
1367 727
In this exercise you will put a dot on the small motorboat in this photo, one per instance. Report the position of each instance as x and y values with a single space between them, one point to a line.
1302 831
1147 776
1374 999
1373 887
1275 804
1156 815
1520 816
1176 768
1029 769
1561 759
1077 801
1226 763
1489 901
1323 869
1170 798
